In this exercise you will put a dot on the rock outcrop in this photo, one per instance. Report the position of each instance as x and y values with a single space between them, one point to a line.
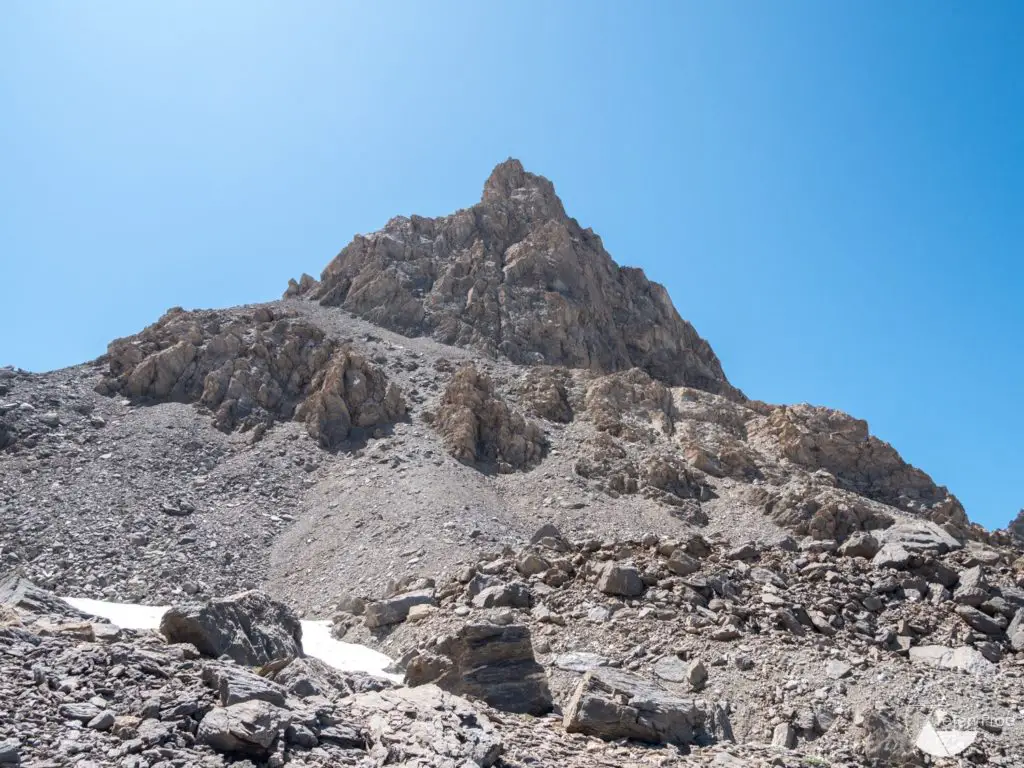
251 368
478 428
486 661
823 438
513 275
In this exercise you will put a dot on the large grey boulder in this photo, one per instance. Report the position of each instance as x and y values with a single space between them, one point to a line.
973 589
612 704
249 729
487 661
860 544
920 536
622 580
248 627
394 610
514 595
235 685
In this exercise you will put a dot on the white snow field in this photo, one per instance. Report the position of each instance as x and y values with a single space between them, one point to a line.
316 635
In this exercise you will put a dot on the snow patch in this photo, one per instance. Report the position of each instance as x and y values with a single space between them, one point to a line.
316 635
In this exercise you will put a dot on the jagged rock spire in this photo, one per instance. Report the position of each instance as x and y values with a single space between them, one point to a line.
515 276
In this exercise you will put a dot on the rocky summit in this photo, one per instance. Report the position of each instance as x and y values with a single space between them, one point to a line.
480 446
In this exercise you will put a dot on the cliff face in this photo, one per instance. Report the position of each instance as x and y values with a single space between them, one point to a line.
515 276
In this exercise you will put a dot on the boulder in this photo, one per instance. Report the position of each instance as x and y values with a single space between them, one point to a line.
973 589
683 564
248 627
394 610
249 729
514 595
235 685
982 622
487 661
612 704
1015 632
920 536
963 658
10 752
891 555
622 580
860 544
423 726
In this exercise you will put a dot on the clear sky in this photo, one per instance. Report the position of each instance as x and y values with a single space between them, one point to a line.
833 192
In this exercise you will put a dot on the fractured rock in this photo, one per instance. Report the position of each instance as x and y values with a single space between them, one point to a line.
612 704
491 662
249 627
393 610
249 729
479 428
622 580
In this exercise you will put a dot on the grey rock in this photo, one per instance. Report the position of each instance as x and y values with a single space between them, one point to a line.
973 589
235 685
513 595
487 661
1015 632
249 729
784 736
10 752
612 704
102 722
979 621
394 610
622 580
920 536
964 659
83 712
891 555
249 627
301 736
860 544
580 661
837 670
682 564
747 551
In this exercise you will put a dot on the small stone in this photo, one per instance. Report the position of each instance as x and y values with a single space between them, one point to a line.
837 670
784 736
102 722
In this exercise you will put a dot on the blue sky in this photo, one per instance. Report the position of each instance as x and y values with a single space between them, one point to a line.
832 192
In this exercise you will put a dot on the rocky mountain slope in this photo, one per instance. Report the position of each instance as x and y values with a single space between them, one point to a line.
382 443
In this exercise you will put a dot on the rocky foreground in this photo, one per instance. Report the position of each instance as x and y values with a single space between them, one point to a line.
486 449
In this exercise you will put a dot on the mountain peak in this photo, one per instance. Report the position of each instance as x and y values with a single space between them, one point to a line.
509 182
514 276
